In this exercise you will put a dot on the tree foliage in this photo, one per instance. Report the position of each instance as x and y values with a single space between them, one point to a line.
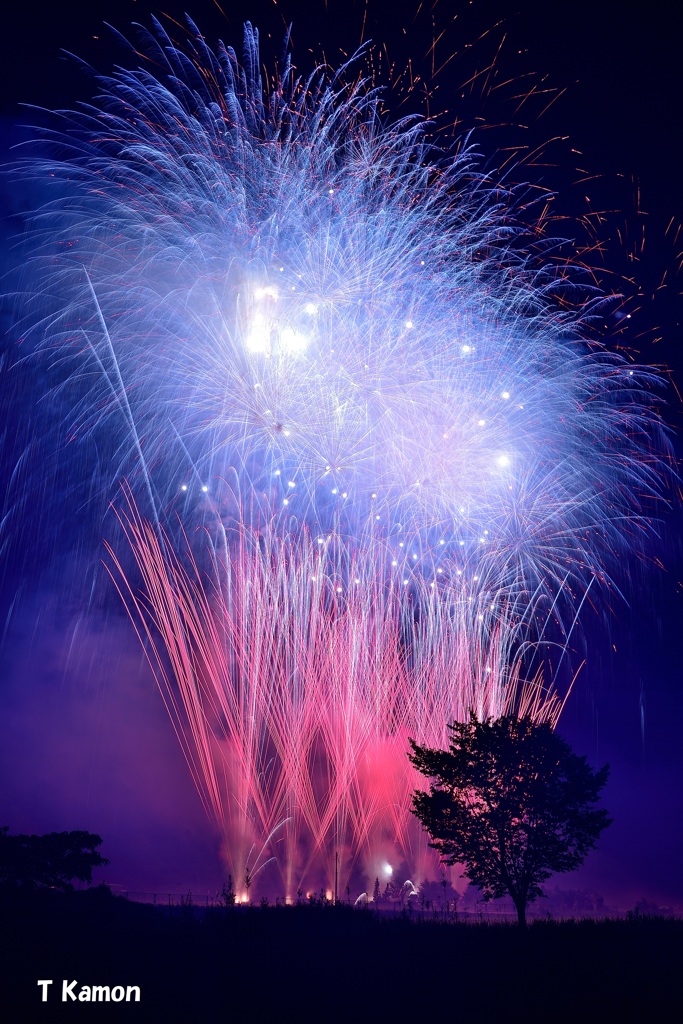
511 802
50 861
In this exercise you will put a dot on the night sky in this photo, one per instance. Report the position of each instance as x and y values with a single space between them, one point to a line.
84 739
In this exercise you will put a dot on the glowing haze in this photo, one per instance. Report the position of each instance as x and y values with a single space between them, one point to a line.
372 453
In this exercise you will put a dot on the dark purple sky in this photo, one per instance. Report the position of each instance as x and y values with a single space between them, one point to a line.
84 739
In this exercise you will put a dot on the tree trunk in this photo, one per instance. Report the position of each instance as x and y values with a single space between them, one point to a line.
520 907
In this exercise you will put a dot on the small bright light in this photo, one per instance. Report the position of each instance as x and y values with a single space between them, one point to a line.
475 577
462 543
503 460
505 394
432 584
320 540
330 191
335 490
394 562
439 570
277 472
310 308
482 423
376 517
405 583
409 324
339 590
184 487
356 581
400 543
291 483
442 542
387 869
205 488
285 501
344 494
373 495
630 373
465 349
414 558
422 263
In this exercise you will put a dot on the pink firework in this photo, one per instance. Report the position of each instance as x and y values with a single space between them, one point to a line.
294 674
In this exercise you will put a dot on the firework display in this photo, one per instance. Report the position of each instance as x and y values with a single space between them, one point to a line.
372 452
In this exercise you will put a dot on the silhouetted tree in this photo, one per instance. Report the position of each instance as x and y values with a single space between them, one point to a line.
227 895
49 861
376 892
511 802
